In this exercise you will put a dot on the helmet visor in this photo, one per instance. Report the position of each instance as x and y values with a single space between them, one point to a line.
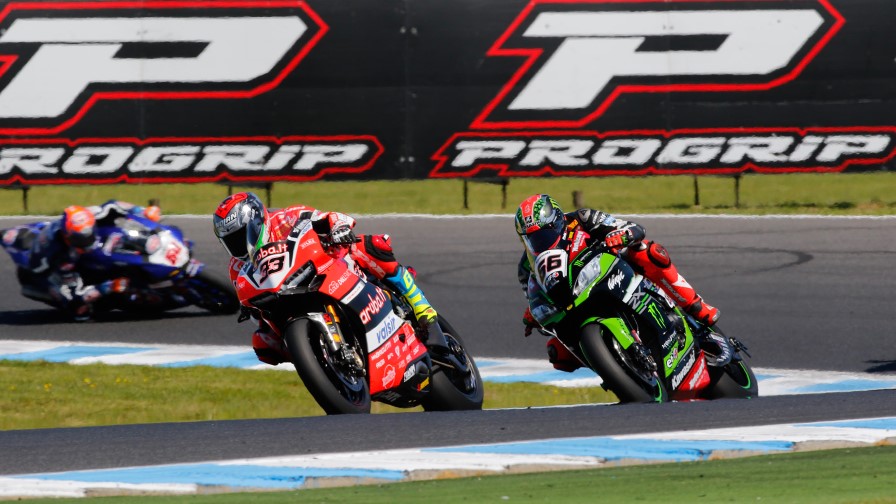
235 243
545 238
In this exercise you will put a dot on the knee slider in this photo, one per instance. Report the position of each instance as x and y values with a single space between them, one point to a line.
658 255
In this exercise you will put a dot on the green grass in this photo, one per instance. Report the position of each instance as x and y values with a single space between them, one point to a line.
37 395
842 194
863 475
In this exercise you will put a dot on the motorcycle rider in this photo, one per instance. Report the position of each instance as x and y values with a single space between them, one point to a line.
243 224
56 250
541 224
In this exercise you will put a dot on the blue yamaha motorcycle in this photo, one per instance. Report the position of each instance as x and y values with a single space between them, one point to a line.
156 259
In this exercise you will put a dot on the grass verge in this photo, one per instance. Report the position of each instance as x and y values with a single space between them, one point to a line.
863 475
48 395
829 193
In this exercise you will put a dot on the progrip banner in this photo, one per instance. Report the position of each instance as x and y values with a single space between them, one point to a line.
250 90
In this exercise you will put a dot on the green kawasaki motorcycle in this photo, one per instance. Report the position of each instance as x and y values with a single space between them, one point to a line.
626 329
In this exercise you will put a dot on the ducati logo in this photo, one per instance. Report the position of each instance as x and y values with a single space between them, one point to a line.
581 56
59 60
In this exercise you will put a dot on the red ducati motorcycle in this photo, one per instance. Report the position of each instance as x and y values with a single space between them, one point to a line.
353 339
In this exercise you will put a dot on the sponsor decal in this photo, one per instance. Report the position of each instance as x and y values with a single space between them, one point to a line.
670 153
410 373
697 375
616 280
352 294
336 284
585 63
374 305
388 376
386 329
45 161
654 309
271 249
682 373
670 341
672 357
323 267
380 352
223 225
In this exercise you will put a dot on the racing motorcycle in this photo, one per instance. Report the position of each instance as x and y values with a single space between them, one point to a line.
629 331
156 259
352 338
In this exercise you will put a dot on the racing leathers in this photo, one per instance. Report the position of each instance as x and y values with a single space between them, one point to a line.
372 253
650 258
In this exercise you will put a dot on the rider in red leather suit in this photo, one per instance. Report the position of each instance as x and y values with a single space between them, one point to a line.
242 223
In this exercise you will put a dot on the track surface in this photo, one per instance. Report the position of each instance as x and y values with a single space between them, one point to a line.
800 292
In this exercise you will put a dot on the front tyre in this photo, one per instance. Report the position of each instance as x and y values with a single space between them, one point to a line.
622 372
336 385
734 380
454 389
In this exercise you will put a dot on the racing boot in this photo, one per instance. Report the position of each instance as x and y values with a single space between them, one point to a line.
702 311
654 261
404 281
431 333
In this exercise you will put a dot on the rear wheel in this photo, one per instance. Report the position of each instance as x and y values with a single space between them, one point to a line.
213 293
623 371
454 389
337 384
734 380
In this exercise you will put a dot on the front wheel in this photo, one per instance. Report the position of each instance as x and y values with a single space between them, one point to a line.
623 371
337 385
452 388
734 380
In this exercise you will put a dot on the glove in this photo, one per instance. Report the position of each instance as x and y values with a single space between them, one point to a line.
336 226
342 235
529 321
618 239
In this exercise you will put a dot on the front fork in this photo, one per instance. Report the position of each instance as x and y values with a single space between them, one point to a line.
328 322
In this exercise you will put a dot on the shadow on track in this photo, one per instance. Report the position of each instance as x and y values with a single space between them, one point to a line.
881 366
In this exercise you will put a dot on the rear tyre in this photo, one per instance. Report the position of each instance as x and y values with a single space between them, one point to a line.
734 380
454 389
619 368
337 386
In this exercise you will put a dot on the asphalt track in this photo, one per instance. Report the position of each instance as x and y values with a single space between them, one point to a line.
802 293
